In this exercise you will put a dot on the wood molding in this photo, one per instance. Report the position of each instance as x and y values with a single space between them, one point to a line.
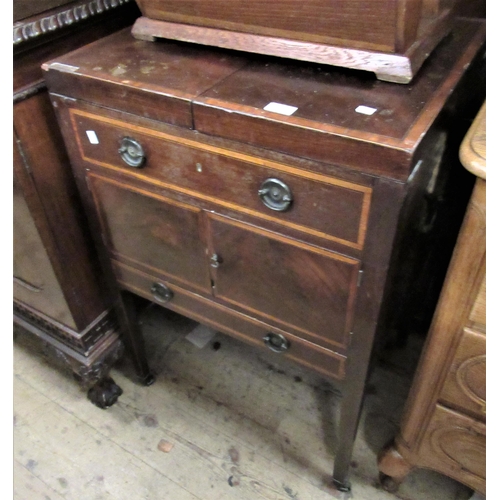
81 342
62 17
391 67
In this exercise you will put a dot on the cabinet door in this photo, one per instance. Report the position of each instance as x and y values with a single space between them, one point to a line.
35 282
303 289
152 233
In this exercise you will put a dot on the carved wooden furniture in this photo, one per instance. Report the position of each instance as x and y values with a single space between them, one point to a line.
57 294
444 425
266 200
391 38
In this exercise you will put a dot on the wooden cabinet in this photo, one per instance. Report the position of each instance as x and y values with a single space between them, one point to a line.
444 425
57 293
282 230
389 37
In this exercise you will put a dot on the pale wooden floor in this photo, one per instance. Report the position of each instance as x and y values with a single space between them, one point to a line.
242 425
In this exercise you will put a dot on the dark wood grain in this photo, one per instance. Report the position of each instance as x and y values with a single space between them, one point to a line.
326 125
220 176
153 231
44 152
35 282
27 8
59 296
264 275
225 319
332 22
31 54
157 81
300 288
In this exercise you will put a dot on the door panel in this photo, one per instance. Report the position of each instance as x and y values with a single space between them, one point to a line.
35 282
151 232
303 289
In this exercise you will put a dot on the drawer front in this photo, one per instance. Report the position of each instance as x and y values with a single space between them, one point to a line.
465 385
456 446
243 327
322 206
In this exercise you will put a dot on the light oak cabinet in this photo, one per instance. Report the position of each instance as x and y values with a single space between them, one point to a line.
444 424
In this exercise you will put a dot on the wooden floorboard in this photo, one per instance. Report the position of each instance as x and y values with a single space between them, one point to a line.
224 422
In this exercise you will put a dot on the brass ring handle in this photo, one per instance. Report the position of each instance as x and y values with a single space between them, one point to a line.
161 292
275 194
131 152
276 342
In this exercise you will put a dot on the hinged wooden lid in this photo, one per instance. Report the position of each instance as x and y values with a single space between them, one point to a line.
156 80
337 115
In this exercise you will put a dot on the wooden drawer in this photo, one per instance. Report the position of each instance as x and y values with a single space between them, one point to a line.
322 206
456 445
465 385
250 330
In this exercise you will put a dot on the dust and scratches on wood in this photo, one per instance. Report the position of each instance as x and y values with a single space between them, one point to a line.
293 495
165 446
63 482
148 420
147 67
29 486
250 486
233 481
41 435
119 70
234 455
31 464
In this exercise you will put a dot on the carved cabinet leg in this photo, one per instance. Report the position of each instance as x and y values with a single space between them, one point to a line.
393 468
105 393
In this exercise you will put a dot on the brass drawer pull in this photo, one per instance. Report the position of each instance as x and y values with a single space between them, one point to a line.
131 152
161 292
275 194
276 342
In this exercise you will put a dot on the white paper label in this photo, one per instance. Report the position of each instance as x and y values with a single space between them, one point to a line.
282 109
92 137
63 67
365 110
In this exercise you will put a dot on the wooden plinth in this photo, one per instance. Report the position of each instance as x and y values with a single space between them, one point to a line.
391 67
